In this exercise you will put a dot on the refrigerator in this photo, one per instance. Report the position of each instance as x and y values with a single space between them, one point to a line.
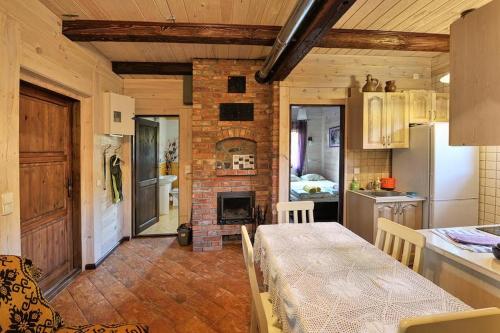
447 176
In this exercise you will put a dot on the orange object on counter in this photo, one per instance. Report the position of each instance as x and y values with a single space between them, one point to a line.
388 183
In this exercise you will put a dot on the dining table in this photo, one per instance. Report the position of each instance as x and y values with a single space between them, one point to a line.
322 277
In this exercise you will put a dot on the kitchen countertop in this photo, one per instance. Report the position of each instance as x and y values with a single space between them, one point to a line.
404 198
484 263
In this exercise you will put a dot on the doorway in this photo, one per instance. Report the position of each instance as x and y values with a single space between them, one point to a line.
317 159
49 156
156 174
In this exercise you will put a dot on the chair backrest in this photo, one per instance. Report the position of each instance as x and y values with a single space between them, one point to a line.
474 321
398 241
305 207
252 276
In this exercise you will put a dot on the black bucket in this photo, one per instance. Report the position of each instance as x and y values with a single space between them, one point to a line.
184 234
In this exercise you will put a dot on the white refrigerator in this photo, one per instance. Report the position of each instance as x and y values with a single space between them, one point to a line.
447 176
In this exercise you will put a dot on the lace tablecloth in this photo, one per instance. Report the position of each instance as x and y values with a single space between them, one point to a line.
324 278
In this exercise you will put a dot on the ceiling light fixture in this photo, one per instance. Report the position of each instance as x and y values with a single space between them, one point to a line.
302 114
445 79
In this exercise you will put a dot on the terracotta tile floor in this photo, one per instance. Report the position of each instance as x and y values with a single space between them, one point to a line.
168 287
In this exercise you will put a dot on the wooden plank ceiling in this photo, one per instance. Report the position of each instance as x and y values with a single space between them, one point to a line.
432 16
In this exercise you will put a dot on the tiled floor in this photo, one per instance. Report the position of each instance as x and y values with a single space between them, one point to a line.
168 287
167 225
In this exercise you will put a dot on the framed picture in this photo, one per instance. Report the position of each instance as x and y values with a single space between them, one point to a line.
334 136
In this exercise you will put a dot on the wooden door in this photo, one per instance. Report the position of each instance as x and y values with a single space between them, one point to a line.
441 107
398 120
48 229
146 174
411 215
374 121
420 106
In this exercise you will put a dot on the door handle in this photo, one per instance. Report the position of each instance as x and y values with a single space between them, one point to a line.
70 187
383 140
388 140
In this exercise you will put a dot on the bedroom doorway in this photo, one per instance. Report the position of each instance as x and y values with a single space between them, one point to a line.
317 159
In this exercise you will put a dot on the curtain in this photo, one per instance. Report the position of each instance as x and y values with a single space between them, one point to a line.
298 146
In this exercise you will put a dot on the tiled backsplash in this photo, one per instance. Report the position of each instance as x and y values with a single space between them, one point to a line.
489 188
372 164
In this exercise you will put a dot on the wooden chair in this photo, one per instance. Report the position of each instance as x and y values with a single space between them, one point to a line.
474 321
392 238
262 309
305 207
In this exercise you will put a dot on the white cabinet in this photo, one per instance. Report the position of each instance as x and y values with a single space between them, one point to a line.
118 113
378 120
428 106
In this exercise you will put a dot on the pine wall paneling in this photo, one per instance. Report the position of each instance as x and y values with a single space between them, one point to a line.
48 59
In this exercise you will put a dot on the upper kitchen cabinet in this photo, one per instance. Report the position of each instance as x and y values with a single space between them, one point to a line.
427 106
378 120
420 106
119 112
475 77
441 107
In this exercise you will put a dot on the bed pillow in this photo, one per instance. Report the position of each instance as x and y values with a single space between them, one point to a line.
312 177
294 178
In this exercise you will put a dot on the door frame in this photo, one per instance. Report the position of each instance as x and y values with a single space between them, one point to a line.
74 105
342 146
134 235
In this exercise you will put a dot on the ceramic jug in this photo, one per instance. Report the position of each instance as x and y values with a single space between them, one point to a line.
371 84
390 86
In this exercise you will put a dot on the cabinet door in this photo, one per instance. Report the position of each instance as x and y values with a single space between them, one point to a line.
387 210
374 121
420 106
398 120
410 215
441 107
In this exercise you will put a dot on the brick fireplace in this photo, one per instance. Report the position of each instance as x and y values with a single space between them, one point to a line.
216 142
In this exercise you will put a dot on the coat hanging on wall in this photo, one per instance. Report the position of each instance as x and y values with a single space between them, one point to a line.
116 179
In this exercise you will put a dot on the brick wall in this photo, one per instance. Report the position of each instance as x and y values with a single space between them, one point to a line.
209 90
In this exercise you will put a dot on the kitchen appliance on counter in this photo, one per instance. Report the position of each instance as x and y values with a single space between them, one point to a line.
448 176
388 183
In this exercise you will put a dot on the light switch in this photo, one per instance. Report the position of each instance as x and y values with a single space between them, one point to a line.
416 76
356 171
7 203
187 169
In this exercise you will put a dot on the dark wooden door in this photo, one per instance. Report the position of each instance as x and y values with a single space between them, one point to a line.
45 155
146 174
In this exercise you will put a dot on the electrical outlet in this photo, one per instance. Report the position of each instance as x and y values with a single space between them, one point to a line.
7 203
416 76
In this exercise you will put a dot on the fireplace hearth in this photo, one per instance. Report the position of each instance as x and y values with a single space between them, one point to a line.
235 208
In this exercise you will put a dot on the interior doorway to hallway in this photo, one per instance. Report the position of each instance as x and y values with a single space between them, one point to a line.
156 176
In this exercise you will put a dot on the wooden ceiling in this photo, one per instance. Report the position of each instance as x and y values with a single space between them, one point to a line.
433 16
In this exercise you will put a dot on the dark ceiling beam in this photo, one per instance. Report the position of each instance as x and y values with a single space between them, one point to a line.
152 68
125 31
385 40
317 24
131 31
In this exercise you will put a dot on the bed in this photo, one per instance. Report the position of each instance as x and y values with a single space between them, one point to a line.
325 201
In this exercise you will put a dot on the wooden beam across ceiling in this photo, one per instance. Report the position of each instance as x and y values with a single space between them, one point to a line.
152 68
196 33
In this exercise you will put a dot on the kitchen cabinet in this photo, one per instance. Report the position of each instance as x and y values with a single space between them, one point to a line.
428 106
420 106
378 120
441 107
475 79
363 212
